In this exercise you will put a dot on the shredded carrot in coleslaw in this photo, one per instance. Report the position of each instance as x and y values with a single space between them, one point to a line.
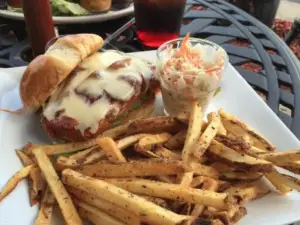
187 59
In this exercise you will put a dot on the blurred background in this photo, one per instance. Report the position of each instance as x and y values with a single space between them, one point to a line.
281 15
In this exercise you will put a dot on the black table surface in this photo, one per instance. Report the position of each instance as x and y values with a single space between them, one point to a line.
255 51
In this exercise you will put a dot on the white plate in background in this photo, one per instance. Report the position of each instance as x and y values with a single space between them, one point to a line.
236 97
92 18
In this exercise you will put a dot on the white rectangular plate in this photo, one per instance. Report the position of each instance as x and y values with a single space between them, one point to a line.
236 97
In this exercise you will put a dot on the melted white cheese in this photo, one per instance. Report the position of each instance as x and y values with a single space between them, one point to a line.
110 81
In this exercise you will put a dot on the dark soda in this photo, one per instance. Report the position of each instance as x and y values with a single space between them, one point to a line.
158 21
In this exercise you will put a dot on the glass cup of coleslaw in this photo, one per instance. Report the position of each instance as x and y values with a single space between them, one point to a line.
189 70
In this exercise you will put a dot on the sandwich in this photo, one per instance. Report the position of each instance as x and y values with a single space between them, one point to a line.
80 92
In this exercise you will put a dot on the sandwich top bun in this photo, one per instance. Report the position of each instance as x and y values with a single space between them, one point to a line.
45 73
96 5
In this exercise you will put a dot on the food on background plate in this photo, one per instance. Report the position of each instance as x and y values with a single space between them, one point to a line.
67 8
83 92
189 70
74 7
96 5
125 185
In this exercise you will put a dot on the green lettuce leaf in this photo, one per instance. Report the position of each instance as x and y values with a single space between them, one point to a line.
65 8
61 8
134 106
18 10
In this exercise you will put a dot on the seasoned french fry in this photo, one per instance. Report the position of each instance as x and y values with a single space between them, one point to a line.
36 182
62 148
197 181
236 175
282 157
239 215
105 206
95 215
129 140
240 129
193 132
46 208
166 179
248 191
277 180
208 135
145 144
256 150
209 185
172 191
176 141
94 155
133 168
57 188
292 182
203 170
156 124
117 131
234 143
164 153
152 139
291 166
221 130
186 179
221 167
81 155
227 217
111 149
238 160
25 159
212 213
216 222
143 209
206 221
229 173
62 162
158 201
14 180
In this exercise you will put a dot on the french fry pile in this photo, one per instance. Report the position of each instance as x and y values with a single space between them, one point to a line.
158 170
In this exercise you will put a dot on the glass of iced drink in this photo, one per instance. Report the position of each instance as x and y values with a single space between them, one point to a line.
158 21
189 69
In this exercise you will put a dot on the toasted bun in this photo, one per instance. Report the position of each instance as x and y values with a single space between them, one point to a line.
96 5
46 72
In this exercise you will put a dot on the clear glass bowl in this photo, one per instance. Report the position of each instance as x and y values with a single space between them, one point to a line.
182 87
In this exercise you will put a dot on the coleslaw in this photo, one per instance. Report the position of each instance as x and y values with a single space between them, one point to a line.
189 69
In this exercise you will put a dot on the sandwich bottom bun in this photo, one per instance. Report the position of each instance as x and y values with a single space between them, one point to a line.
66 129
